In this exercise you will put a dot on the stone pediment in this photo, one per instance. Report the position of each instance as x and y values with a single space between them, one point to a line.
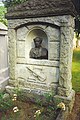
39 8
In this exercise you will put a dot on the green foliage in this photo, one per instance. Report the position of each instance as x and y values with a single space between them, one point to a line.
8 107
9 3
46 98
48 109
5 103
49 101
3 11
76 70
49 97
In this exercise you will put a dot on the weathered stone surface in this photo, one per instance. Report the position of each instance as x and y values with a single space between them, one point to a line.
67 100
3 83
20 49
54 53
21 33
12 52
57 32
38 62
32 87
54 21
63 91
38 8
37 74
3 27
53 34
66 57
4 73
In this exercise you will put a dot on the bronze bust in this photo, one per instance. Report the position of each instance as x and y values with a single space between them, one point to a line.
38 52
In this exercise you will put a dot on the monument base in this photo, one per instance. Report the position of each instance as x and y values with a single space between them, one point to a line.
69 100
63 91
27 95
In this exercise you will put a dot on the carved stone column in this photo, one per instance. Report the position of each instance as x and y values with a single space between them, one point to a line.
66 50
12 52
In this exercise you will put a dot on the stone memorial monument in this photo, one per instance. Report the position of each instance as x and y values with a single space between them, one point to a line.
42 66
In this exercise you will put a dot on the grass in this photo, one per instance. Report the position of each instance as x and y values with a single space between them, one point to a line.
76 70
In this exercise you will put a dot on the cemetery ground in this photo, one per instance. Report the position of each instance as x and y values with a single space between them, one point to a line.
12 108
75 114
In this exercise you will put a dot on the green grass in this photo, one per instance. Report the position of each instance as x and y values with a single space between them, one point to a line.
76 70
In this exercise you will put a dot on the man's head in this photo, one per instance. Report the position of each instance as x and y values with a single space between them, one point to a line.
37 41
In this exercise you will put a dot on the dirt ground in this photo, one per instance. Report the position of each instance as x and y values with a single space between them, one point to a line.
75 114
27 111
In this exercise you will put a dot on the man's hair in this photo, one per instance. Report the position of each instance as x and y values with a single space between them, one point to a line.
38 38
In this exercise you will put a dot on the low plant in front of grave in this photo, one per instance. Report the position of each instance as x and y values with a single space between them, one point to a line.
50 108
8 106
5 102
14 107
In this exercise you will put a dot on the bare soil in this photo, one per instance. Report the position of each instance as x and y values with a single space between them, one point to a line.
75 114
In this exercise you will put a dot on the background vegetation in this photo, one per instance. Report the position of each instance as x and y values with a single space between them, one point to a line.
9 3
3 10
76 70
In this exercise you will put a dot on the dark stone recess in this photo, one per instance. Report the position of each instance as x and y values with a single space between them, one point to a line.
42 8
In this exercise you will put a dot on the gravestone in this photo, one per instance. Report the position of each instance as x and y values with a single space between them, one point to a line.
4 75
52 21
